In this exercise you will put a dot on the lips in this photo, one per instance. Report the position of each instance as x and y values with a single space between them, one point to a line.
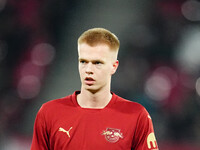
89 80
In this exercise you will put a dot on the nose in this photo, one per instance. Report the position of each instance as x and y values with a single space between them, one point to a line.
89 68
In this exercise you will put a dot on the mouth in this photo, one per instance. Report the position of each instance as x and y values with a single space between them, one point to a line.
89 81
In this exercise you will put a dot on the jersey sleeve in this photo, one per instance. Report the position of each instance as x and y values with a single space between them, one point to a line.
40 134
144 138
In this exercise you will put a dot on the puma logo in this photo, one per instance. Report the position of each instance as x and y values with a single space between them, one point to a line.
63 130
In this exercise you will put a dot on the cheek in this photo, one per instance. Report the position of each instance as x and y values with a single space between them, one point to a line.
106 73
80 71
110 70
80 68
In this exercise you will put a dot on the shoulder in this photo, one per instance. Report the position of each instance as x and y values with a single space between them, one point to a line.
128 103
129 106
56 104
133 108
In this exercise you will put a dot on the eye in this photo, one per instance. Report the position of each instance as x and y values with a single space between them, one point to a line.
98 62
82 61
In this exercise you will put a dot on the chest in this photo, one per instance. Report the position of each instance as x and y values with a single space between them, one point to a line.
92 130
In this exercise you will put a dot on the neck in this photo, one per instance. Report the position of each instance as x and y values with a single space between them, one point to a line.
98 100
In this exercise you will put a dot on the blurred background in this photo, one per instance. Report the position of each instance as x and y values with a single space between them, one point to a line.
159 62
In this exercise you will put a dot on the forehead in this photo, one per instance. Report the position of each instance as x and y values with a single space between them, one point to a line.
97 51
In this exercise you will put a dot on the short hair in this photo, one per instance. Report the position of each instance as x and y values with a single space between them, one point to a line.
96 36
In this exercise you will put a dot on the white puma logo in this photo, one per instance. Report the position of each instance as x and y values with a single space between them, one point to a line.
63 130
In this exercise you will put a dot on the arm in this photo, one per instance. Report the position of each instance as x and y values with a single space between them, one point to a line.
144 138
40 135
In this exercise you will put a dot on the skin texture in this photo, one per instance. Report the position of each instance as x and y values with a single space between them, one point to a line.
97 64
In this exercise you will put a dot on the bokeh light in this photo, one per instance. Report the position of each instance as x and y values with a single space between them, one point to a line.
28 87
198 86
191 10
28 68
160 83
43 54
188 50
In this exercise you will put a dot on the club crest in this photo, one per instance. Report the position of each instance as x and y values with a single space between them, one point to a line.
112 135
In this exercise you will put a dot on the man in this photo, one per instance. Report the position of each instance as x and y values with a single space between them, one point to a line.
94 118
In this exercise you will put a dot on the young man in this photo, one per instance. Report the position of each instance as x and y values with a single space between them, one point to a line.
94 118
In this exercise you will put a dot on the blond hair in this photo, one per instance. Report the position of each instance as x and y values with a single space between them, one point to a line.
96 36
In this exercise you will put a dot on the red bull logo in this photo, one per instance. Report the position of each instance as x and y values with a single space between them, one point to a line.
112 135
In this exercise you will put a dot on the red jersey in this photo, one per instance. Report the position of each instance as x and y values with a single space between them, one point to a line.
122 125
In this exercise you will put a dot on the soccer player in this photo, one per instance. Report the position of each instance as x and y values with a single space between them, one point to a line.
94 118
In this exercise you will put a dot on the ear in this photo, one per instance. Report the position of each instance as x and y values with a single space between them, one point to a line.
114 67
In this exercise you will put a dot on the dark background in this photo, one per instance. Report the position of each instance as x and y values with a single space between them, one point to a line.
159 62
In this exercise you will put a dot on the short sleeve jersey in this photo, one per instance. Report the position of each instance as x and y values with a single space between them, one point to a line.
62 124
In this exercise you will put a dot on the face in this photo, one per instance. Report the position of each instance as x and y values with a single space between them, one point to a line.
96 66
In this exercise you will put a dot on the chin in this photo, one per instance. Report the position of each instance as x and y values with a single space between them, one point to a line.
92 89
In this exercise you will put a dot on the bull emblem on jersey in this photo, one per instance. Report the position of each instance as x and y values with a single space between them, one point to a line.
112 135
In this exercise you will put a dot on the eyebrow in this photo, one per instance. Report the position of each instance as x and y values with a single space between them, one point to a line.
81 59
95 60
